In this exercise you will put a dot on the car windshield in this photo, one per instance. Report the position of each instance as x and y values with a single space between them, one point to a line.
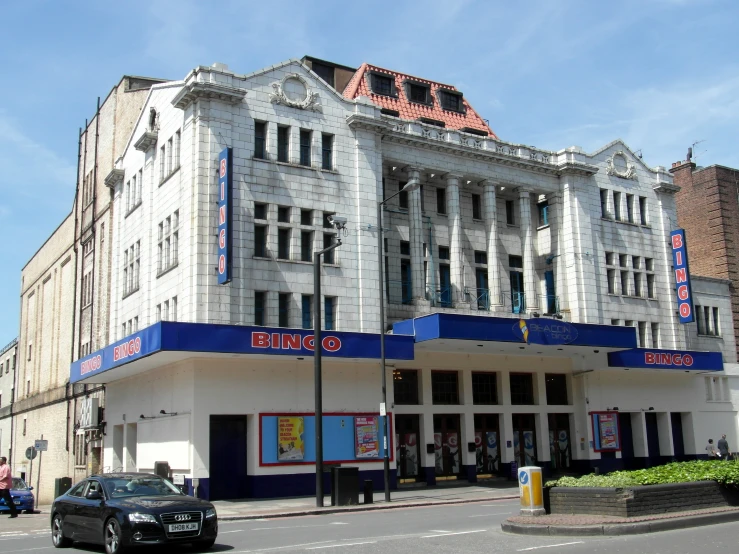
19 484
139 485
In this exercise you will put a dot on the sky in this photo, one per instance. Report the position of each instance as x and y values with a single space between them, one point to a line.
659 74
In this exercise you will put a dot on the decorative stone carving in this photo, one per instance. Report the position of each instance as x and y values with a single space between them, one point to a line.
294 91
501 149
628 173
478 143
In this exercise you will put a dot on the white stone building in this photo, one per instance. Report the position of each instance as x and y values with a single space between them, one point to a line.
573 245
8 359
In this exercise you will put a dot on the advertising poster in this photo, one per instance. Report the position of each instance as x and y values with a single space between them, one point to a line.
410 453
290 445
368 437
438 454
605 431
529 449
486 452
451 443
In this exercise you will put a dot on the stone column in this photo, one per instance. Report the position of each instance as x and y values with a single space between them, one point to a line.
416 231
527 246
456 252
490 216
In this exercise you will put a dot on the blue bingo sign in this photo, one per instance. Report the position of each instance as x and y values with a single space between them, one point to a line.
682 276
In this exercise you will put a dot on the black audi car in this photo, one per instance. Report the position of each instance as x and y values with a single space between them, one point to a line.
120 510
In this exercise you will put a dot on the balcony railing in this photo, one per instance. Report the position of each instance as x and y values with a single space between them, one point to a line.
440 296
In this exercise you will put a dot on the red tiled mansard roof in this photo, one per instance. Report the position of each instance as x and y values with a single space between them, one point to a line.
359 85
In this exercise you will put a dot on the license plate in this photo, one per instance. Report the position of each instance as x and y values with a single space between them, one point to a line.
179 527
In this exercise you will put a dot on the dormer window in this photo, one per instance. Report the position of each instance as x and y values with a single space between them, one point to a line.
429 121
419 93
382 84
451 100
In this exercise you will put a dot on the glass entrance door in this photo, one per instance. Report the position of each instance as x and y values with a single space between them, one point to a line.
406 441
524 440
446 442
487 444
560 444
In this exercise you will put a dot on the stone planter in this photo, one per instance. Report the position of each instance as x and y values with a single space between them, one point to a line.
640 501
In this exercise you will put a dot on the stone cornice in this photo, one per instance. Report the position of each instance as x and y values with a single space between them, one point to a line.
146 141
663 186
114 177
207 91
366 122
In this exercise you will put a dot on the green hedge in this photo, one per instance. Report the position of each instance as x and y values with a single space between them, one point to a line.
723 472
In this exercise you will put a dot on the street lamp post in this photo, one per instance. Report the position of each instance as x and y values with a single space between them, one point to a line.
411 185
317 351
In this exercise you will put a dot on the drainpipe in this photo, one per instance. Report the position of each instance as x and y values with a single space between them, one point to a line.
92 223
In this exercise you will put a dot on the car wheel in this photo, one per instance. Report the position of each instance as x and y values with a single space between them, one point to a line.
30 511
113 537
57 535
205 544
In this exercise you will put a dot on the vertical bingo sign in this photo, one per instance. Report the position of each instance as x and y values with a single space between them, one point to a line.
225 181
682 276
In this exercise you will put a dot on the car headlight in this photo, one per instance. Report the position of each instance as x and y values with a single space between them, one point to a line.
210 512
141 518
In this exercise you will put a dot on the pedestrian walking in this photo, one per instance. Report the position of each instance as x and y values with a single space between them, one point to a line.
723 448
711 450
6 483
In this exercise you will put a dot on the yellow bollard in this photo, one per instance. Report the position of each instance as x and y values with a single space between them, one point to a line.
531 490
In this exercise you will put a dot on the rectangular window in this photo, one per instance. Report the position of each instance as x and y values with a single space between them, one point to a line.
418 93
283 144
543 213
522 389
328 240
177 141
305 148
636 262
642 333
260 241
638 285
716 326
168 244
611 281
283 244
128 196
484 388
643 210
307 318
169 156
481 257
402 197
165 311
476 207
405 248
445 387
556 385
162 162
260 133
174 309
140 186
382 84
306 217
306 246
649 264
159 313
617 205
610 258
260 211
630 208
283 214
623 260
443 252
604 203
441 200
327 151
329 313
405 386
284 309
515 262
451 101
615 322
259 308
655 335
625 283
135 324
510 215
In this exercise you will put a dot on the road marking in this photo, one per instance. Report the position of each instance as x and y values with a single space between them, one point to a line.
338 523
549 546
496 514
28 549
289 527
236 531
340 545
447 534
439 531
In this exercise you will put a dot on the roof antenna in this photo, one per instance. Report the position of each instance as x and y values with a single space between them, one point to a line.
691 155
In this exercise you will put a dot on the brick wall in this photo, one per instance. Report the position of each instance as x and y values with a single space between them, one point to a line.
707 205
636 501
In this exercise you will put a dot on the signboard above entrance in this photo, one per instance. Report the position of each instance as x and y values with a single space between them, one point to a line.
545 331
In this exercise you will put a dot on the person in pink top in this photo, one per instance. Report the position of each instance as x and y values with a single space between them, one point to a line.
6 482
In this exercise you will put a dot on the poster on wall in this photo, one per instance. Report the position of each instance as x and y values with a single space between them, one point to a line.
486 449
290 445
606 431
439 458
367 437
529 449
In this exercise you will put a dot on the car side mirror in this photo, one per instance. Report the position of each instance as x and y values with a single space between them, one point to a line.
30 488
94 495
